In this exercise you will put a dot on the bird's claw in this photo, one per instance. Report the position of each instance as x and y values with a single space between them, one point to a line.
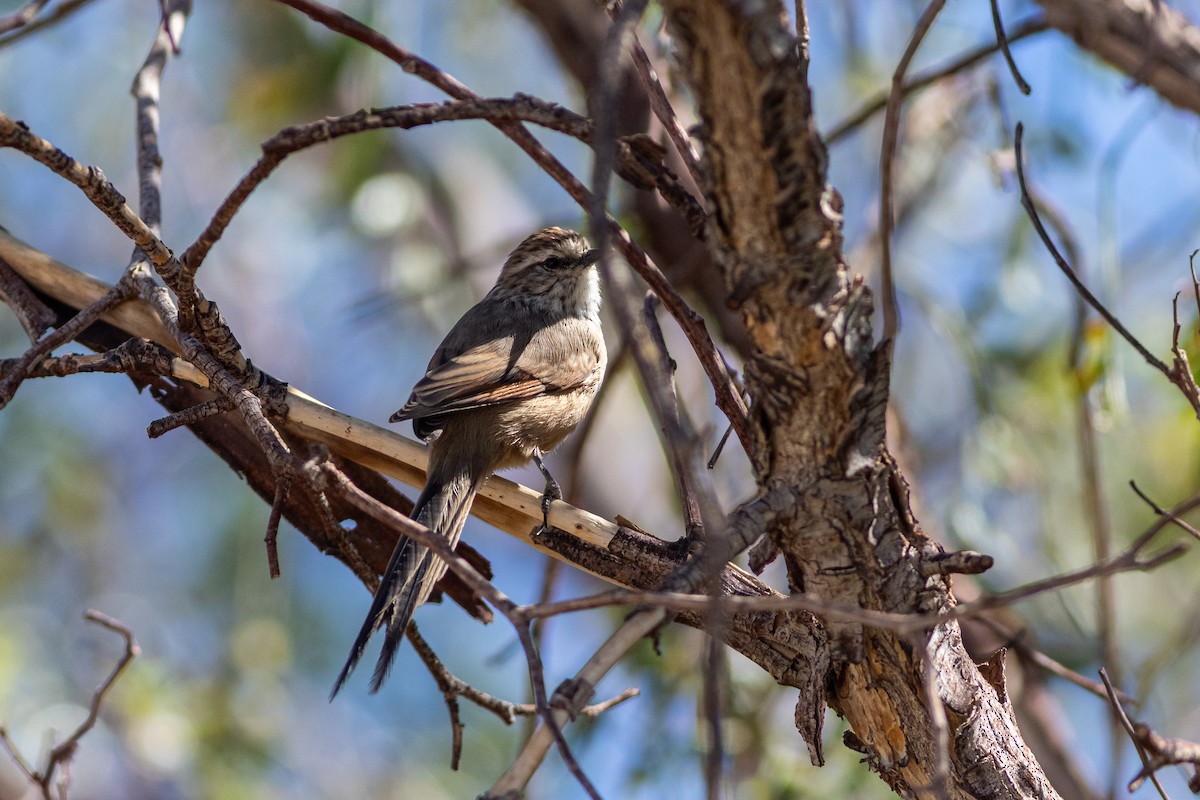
552 493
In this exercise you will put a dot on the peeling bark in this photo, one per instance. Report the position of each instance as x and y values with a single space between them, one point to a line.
819 387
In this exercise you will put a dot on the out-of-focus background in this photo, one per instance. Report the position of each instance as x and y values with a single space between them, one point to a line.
344 270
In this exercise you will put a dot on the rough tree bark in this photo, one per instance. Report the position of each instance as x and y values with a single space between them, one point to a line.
819 387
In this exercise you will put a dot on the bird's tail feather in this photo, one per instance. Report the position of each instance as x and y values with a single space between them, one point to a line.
412 571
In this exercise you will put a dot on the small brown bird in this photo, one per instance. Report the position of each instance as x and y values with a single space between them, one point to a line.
511 379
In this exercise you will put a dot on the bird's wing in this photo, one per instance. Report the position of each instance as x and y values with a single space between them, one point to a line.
502 370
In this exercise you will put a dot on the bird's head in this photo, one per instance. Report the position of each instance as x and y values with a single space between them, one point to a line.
554 263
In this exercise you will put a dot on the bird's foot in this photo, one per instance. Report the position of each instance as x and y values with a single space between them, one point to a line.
552 493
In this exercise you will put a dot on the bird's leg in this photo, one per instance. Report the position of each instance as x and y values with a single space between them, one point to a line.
551 494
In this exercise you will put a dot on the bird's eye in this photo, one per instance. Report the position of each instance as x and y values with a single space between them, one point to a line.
553 262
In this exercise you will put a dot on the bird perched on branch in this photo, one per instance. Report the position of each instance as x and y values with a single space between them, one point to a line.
511 379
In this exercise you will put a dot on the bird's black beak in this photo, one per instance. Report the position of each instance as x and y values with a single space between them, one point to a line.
589 258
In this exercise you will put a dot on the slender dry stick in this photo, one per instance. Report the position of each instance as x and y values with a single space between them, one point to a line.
1172 516
596 709
60 336
1164 751
17 26
34 316
937 715
714 674
679 436
282 485
146 92
133 356
1095 505
1195 281
1109 317
879 102
537 627
635 628
22 16
695 501
660 104
104 196
1181 369
653 363
326 474
452 688
93 184
189 416
58 762
1123 718
891 130
568 698
655 367
1016 641
1002 40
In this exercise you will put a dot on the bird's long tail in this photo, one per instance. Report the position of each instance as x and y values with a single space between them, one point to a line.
443 507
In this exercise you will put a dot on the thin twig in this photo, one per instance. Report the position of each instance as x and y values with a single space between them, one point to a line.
679 436
189 416
1094 502
696 499
60 336
635 628
537 628
35 316
452 688
145 89
1017 641
937 715
1125 722
325 473
19 24
969 59
282 484
558 710
61 755
104 196
1002 41
713 694
22 16
93 184
660 104
1181 370
132 357
1164 751
1169 515
1031 210
891 129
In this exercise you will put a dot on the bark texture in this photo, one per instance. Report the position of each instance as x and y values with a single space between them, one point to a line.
1145 39
819 387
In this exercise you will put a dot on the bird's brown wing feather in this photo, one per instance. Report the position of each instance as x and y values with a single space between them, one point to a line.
491 373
